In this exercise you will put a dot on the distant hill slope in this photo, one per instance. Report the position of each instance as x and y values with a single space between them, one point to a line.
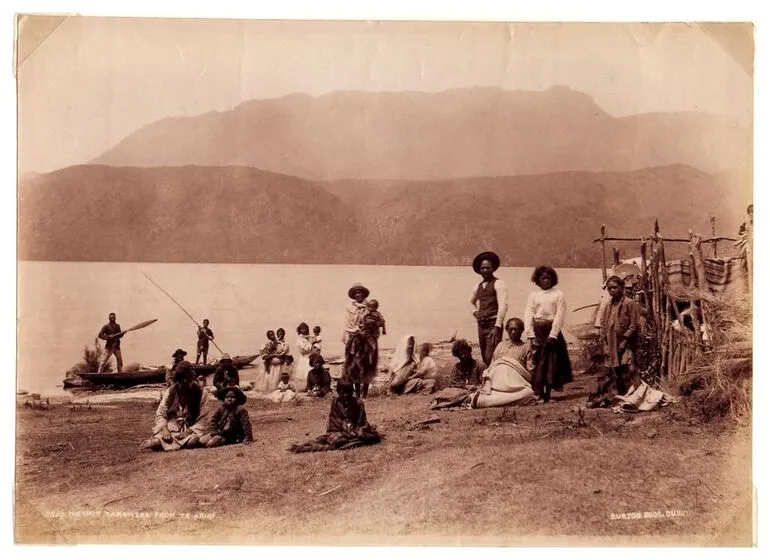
541 218
182 214
241 214
451 134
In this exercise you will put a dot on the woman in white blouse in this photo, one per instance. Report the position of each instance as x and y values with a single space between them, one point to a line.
544 319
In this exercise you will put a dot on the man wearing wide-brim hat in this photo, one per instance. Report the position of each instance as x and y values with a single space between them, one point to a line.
177 356
353 312
489 299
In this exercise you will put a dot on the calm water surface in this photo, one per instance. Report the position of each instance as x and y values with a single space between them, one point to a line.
62 306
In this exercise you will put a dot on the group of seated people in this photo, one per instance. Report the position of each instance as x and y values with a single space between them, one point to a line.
507 380
191 415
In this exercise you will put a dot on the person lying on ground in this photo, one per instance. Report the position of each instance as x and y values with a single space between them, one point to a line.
347 426
230 422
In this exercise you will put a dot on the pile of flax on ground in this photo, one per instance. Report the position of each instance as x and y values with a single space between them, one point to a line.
718 385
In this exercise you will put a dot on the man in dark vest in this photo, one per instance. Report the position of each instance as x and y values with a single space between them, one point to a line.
490 302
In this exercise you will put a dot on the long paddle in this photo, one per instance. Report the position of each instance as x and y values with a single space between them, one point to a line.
135 327
180 307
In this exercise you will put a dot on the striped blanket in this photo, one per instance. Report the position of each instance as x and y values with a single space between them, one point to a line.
722 275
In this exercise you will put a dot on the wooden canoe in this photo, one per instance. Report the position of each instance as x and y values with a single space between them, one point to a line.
123 379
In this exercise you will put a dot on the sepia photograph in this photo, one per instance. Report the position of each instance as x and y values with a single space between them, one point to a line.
384 283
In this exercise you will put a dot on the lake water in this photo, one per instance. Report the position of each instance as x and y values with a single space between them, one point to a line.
62 307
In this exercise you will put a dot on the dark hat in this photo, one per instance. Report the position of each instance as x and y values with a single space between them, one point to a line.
357 287
240 397
225 358
486 256
178 352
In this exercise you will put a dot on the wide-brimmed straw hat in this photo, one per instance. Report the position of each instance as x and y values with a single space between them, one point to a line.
486 256
178 352
240 397
356 288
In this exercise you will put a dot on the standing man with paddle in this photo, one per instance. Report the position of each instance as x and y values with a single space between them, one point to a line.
111 334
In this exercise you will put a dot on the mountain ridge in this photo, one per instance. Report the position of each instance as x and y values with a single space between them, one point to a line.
462 132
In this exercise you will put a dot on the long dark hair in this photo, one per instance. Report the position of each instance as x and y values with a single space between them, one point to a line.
189 395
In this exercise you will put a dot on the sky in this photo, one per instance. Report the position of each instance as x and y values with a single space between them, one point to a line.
85 83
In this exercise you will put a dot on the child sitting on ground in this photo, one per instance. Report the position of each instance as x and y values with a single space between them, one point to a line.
319 382
285 391
230 422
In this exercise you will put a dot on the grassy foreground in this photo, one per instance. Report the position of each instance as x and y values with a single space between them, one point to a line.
530 475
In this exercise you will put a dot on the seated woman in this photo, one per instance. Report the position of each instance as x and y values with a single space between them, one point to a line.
347 426
464 380
402 364
230 422
183 413
319 382
514 347
423 380
507 382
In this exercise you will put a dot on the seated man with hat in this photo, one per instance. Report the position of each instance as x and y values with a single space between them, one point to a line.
489 299
226 374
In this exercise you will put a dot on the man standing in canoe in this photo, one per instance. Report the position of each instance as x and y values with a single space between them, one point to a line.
490 303
110 333
204 335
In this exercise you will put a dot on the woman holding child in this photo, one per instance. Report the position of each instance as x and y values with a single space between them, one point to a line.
302 364
362 330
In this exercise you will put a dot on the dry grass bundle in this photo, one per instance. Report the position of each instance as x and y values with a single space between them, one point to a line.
719 383
92 357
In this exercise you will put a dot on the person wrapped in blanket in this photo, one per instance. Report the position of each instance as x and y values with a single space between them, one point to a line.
347 426
506 382
230 422
182 416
